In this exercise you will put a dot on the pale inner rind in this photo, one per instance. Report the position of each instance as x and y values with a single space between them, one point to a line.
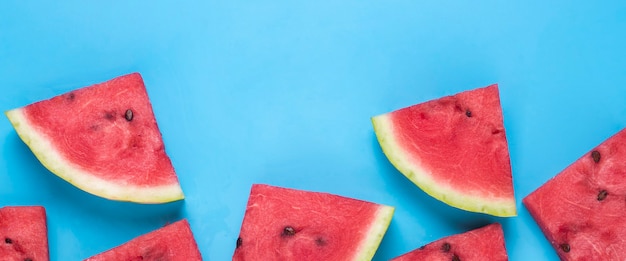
60 166
369 245
424 179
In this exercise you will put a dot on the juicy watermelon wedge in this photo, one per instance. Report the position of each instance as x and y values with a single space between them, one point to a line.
485 243
23 233
454 148
288 224
103 139
174 242
581 210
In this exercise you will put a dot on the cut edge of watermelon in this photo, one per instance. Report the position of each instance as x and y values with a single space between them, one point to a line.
60 166
501 207
376 232
33 224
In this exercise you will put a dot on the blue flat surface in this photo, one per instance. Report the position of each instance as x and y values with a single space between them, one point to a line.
281 92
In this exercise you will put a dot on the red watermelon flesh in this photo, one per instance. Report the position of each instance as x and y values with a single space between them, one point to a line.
454 148
174 242
485 243
23 233
103 139
581 209
288 224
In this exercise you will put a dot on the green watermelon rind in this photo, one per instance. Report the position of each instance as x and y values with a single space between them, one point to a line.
424 179
368 248
46 153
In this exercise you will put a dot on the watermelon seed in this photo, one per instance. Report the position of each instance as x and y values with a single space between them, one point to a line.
109 115
128 115
239 242
565 247
71 96
457 106
320 241
602 195
8 240
596 156
27 259
468 113
422 247
445 247
289 231
455 258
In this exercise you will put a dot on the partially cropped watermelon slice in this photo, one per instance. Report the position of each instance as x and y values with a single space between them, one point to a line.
454 148
23 233
174 242
103 139
485 243
581 210
289 224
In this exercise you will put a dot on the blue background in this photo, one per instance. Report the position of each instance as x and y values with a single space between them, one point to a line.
281 92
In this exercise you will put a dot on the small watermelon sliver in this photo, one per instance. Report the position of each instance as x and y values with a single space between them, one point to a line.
173 242
103 139
485 243
23 233
289 224
454 148
581 210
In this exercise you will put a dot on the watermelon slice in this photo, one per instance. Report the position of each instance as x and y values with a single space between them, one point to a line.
485 243
174 242
581 209
454 148
289 224
103 139
23 233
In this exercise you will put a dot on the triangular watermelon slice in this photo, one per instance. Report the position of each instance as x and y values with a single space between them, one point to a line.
289 224
103 139
581 209
174 242
23 233
454 148
485 243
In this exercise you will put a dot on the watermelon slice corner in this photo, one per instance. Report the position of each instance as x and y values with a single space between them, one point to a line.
23 233
103 139
172 242
580 210
484 243
454 148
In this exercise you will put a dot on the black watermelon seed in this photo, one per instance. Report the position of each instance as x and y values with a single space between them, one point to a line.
109 115
602 195
128 115
468 113
596 156
565 247
445 247
71 96
28 259
239 242
422 247
455 258
320 241
8 240
458 107
289 231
